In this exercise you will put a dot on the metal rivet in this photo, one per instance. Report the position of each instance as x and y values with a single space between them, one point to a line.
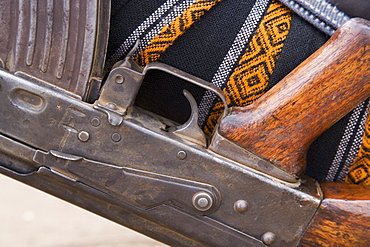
120 79
6 114
95 122
202 201
116 137
83 136
181 155
241 206
26 123
268 238
112 106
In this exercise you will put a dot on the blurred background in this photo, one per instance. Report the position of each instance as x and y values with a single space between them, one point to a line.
31 218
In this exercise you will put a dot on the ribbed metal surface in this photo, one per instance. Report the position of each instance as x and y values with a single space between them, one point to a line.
51 40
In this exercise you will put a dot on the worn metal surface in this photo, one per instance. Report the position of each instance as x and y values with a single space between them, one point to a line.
101 153
142 189
229 149
61 42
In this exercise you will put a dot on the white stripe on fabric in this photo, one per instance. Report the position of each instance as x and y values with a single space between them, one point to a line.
175 12
227 65
354 147
345 141
131 40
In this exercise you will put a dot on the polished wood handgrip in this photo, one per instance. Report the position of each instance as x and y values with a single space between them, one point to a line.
282 124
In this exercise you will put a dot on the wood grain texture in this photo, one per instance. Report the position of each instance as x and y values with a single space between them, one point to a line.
282 124
343 218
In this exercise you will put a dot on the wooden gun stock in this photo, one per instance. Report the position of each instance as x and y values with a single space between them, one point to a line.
343 218
282 124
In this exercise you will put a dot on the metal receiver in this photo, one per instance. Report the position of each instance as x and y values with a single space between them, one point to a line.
144 171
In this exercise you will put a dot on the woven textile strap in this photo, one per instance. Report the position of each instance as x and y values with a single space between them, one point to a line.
250 78
161 42
359 173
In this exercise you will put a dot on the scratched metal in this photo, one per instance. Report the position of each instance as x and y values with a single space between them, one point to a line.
47 120
61 42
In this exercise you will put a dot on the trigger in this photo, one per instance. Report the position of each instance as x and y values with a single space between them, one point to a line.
190 130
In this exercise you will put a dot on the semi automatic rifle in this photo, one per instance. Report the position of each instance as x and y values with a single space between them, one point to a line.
66 130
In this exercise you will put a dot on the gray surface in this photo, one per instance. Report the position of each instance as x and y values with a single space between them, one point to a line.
31 218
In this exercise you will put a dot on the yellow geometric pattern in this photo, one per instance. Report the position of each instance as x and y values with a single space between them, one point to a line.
359 173
250 78
160 43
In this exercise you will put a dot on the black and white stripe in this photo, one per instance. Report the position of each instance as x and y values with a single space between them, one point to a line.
349 144
163 16
165 21
232 56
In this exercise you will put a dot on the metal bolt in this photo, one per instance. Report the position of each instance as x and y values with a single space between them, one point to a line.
181 155
83 136
202 201
116 137
112 106
268 238
120 79
241 206
95 122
